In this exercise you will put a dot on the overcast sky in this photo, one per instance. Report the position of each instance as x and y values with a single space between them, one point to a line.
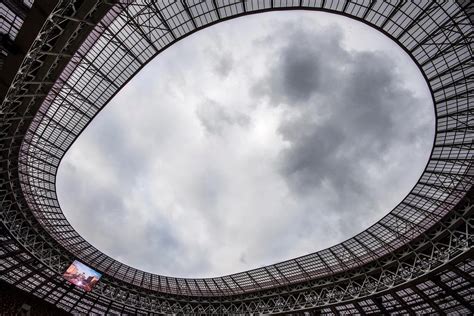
253 141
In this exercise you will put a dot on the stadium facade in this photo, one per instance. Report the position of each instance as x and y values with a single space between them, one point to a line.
64 60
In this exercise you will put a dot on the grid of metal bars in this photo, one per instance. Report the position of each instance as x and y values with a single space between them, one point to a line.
438 36
12 15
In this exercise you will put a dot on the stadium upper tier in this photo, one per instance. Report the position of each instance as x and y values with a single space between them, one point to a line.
71 57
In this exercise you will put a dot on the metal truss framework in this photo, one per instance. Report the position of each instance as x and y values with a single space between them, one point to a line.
401 264
12 15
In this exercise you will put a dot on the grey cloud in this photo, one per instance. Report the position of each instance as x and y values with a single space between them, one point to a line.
164 250
348 105
224 65
300 69
311 158
215 118
300 75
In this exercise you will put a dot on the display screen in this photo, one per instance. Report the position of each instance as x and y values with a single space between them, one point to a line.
82 276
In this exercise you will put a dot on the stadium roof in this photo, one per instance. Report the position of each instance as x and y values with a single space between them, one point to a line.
57 79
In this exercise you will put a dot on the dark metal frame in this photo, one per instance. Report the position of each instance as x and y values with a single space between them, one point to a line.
60 87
